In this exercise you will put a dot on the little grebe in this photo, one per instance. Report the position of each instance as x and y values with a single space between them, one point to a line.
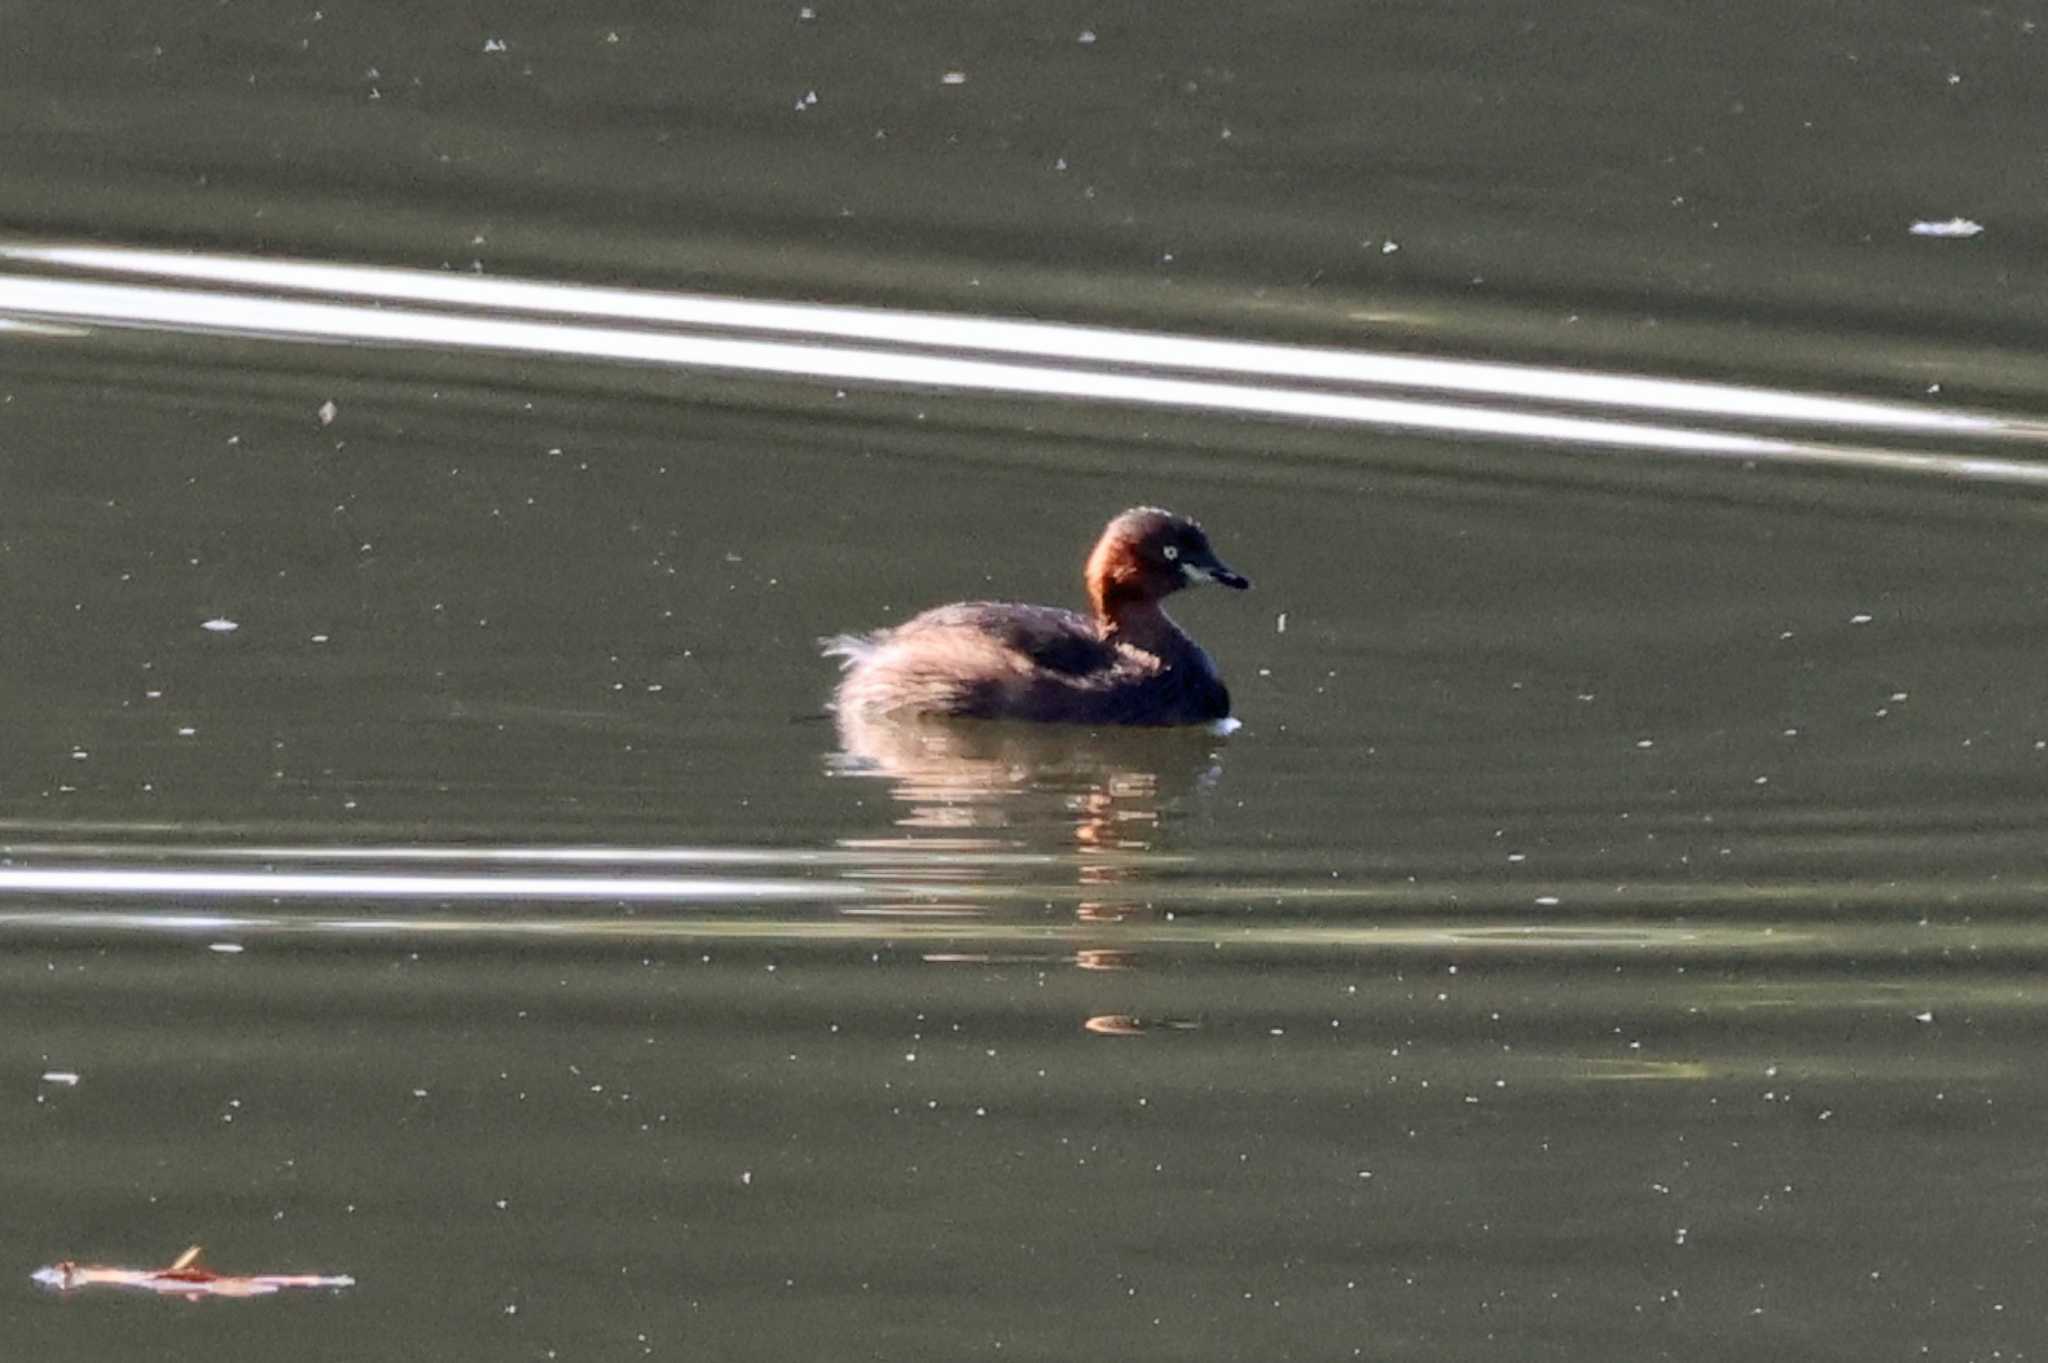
1126 664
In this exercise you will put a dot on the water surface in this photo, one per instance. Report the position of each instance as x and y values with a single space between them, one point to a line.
1612 933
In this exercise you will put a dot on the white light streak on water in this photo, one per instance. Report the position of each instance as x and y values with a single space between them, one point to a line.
183 310
358 305
355 885
871 855
1037 341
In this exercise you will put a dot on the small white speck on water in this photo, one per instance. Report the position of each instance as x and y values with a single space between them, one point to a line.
953 78
66 1078
328 411
1280 625
225 948
1861 619
1548 901
220 624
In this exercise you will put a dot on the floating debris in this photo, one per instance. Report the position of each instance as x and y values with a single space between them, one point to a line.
1951 227
1124 1024
183 1277
220 624
68 1078
328 411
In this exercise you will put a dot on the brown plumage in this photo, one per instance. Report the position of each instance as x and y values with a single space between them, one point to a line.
1126 662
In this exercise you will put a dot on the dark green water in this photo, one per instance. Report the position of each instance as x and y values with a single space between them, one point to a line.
1615 931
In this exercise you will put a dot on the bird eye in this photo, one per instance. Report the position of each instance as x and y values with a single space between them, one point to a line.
1172 552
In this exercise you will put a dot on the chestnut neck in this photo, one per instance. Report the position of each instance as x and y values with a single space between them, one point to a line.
1125 600
1127 613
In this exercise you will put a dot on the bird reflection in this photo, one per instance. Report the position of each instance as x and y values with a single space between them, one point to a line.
1055 786
973 802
